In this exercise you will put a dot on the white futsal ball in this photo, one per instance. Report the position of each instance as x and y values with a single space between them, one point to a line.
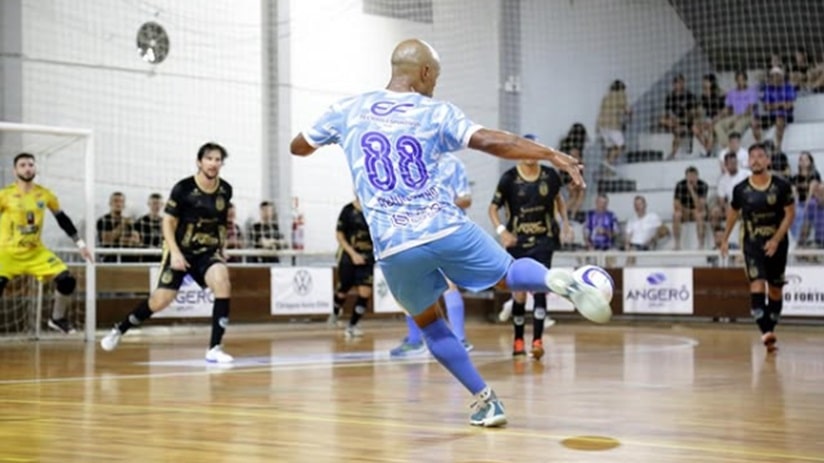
598 278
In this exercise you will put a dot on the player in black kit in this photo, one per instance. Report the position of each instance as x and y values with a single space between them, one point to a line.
529 192
355 265
194 235
766 205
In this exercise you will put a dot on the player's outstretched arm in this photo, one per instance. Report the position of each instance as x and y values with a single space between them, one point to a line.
510 146
68 227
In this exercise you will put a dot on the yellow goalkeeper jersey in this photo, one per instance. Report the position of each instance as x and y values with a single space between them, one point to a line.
21 216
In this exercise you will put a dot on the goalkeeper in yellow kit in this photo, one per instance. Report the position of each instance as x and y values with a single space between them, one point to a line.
23 206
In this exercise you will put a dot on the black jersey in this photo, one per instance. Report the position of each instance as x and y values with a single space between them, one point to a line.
201 215
762 209
530 204
352 223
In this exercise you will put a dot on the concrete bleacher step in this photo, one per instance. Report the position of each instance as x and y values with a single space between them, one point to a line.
665 174
616 185
804 136
810 108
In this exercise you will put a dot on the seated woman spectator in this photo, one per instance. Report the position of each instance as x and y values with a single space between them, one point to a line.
815 76
804 183
711 104
611 119
812 229
799 68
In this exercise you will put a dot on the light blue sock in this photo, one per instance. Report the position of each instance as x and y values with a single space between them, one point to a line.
414 336
455 312
447 349
527 274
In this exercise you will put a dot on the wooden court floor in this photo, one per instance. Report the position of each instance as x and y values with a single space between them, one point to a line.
619 393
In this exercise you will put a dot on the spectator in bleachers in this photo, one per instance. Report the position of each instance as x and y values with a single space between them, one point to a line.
575 193
711 106
779 163
804 183
690 204
734 146
601 227
778 99
114 230
576 137
644 230
799 68
812 230
266 233
740 104
679 112
234 234
815 76
733 175
150 227
611 120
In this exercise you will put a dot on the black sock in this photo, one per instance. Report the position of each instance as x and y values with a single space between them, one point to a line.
360 309
759 312
774 307
339 301
518 318
220 320
538 316
137 316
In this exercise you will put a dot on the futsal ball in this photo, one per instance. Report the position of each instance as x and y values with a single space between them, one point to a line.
598 278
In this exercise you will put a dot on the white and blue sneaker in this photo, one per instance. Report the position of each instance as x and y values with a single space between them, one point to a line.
467 346
587 299
488 411
408 349
216 355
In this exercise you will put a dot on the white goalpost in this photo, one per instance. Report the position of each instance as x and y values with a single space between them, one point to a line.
66 165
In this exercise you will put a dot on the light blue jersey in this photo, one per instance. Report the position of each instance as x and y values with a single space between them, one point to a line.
454 177
395 145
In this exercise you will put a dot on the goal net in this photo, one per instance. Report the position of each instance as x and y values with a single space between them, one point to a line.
64 165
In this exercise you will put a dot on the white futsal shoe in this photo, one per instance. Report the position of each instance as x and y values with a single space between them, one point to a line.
111 340
216 355
587 299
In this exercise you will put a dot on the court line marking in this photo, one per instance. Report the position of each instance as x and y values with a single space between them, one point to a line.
238 410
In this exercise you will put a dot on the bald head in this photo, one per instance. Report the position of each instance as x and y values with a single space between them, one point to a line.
415 67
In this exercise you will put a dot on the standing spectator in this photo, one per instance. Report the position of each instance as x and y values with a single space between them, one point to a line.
601 226
734 147
740 107
814 219
266 233
690 204
611 118
804 183
733 175
150 227
799 68
234 234
576 137
114 230
679 112
711 108
643 230
575 193
779 99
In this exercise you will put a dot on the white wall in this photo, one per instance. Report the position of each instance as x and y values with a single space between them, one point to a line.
572 51
82 69
335 50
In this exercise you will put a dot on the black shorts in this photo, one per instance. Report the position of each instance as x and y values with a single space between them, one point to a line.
540 252
350 275
198 265
760 267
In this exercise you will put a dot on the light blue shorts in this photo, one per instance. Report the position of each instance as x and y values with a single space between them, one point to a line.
469 257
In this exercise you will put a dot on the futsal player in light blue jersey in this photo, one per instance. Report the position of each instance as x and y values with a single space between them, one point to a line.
453 176
394 140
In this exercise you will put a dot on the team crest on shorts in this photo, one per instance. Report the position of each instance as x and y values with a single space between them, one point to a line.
543 189
771 199
166 278
220 204
753 270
